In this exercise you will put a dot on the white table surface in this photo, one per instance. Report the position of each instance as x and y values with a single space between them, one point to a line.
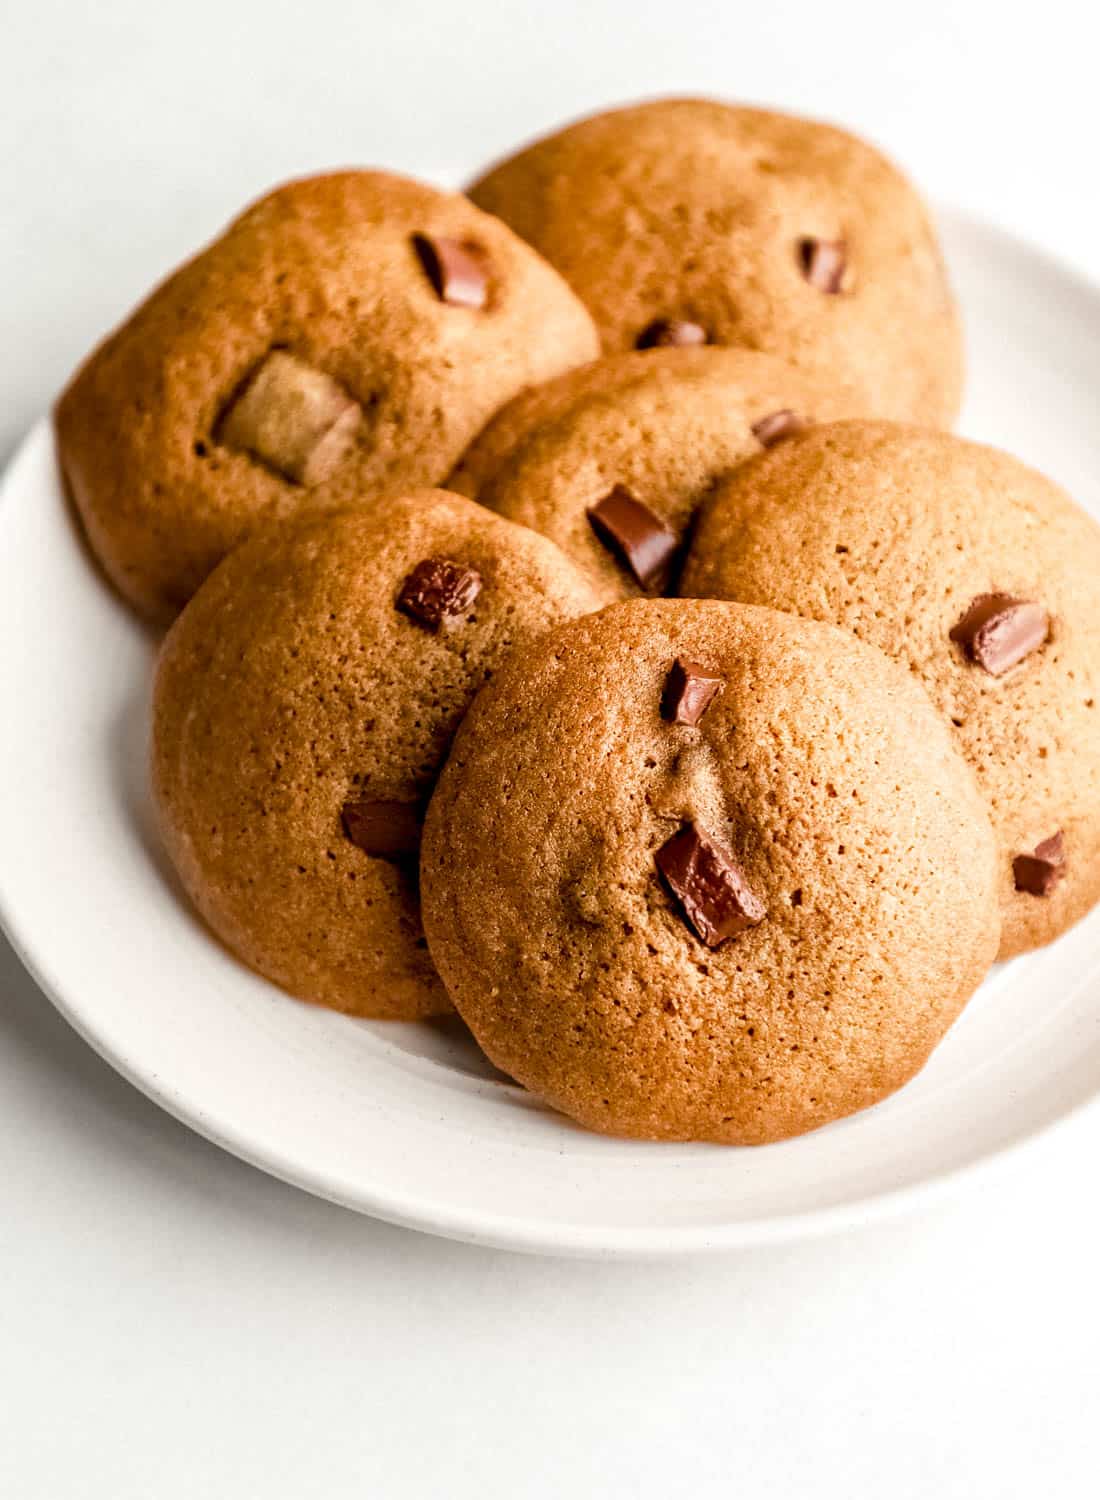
172 1323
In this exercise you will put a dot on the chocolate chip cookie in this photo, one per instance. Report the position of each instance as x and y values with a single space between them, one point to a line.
304 702
981 576
684 221
689 870
636 441
348 334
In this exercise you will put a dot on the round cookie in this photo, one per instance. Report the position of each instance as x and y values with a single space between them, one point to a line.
349 333
895 533
687 218
693 910
305 700
662 425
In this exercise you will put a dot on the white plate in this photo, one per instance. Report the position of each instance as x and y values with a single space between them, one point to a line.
408 1122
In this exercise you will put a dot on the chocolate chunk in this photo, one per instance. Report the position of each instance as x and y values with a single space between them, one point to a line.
778 425
458 269
384 829
1037 873
672 333
997 631
296 419
689 691
631 529
709 884
438 591
823 263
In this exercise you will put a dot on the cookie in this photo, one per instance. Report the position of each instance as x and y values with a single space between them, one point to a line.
348 334
684 220
304 702
688 871
981 576
661 426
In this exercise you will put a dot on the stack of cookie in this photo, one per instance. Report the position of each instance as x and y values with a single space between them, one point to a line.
713 730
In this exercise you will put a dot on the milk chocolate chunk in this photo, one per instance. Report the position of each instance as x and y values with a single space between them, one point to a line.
997 631
823 263
690 689
294 418
438 591
385 830
776 426
457 269
709 885
672 333
631 529
1038 872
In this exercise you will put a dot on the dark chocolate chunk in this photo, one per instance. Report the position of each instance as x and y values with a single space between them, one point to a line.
709 884
631 529
1038 872
672 333
823 263
776 426
458 269
438 591
384 829
997 631
689 691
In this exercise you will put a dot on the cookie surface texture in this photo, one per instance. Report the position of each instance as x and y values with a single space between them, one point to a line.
980 575
731 928
348 334
751 228
304 702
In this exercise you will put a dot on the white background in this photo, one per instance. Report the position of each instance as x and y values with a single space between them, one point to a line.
172 1324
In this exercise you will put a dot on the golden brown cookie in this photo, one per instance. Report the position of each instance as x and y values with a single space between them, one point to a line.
662 425
689 870
980 575
305 700
687 219
347 334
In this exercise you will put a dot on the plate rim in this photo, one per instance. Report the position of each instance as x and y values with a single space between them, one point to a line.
527 1233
